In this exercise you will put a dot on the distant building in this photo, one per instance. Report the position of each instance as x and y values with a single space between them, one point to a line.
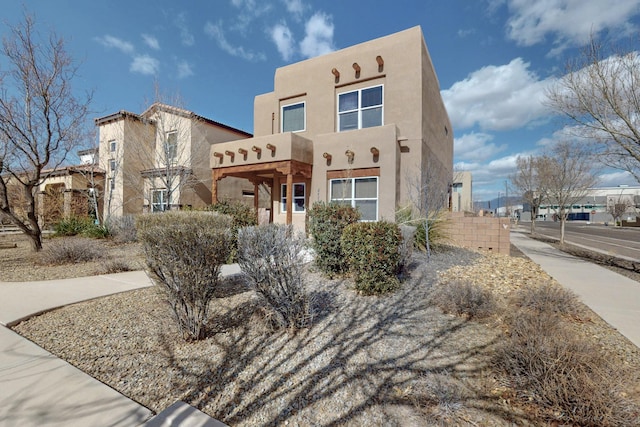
462 192
597 205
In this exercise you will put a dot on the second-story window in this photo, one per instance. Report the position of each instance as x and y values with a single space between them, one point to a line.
112 165
293 118
360 108
171 146
112 146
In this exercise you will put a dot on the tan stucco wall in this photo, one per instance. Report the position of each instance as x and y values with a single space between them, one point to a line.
415 135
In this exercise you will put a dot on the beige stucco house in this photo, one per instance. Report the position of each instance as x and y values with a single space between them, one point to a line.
462 192
365 125
159 160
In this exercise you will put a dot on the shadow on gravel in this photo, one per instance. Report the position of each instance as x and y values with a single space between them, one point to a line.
391 360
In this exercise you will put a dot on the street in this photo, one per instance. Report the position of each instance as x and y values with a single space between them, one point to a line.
611 240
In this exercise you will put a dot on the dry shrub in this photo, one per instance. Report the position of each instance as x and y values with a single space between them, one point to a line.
563 372
69 250
184 253
115 266
272 257
464 299
548 298
122 229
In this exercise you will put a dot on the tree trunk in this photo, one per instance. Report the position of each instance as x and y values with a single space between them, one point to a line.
35 239
533 226
562 221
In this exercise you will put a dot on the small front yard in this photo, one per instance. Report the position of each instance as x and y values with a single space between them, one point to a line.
390 360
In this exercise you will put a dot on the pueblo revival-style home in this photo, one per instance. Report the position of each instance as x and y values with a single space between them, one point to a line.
365 125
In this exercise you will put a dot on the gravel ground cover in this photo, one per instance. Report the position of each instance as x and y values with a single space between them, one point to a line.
379 361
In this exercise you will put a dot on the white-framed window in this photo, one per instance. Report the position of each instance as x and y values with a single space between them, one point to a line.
112 184
293 117
360 108
112 165
171 146
299 197
113 145
159 200
361 193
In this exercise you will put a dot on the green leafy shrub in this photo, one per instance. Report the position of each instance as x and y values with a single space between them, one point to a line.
372 253
565 373
464 299
326 224
70 250
184 254
272 257
241 214
122 228
79 226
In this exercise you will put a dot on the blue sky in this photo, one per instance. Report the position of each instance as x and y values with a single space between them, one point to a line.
493 58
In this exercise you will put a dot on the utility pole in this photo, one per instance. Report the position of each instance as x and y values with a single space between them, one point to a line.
506 200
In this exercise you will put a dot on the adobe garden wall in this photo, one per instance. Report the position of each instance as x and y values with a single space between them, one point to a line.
480 232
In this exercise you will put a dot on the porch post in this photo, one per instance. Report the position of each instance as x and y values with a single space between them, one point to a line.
256 201
214 187
289 198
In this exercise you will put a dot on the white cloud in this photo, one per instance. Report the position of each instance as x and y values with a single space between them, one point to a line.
295 7
615 178
476 146
216 32
282 37
145 64
184 70
186 37
571 22
497 98
250 10
318 38
151 41
114 42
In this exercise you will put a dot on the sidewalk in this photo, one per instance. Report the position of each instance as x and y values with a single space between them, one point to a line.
612 296
38 389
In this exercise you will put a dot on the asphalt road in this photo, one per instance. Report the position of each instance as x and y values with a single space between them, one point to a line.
618 241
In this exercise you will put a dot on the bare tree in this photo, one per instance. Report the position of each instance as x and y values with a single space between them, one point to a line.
600 97
618 205
41 120
527 181
566 173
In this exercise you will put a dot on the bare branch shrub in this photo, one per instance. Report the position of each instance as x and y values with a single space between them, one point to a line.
122 228
115 266
563 372
184 253
548 299
464 299
69 250
272 257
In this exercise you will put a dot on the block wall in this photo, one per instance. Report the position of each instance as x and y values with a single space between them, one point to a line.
480 232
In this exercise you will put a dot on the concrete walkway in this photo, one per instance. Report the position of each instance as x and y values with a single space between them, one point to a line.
612 296
39 389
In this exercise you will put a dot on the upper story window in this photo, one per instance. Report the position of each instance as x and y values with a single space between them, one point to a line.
171 146
360 108
112 165
112 146
293 117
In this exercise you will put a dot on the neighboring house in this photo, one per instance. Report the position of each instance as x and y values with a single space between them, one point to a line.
158 160
462 192
365 125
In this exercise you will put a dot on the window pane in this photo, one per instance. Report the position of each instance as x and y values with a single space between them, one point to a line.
348 101
372 96
366 188
293 118
372 117
340 189
298 190
298 205
349 121
367 209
